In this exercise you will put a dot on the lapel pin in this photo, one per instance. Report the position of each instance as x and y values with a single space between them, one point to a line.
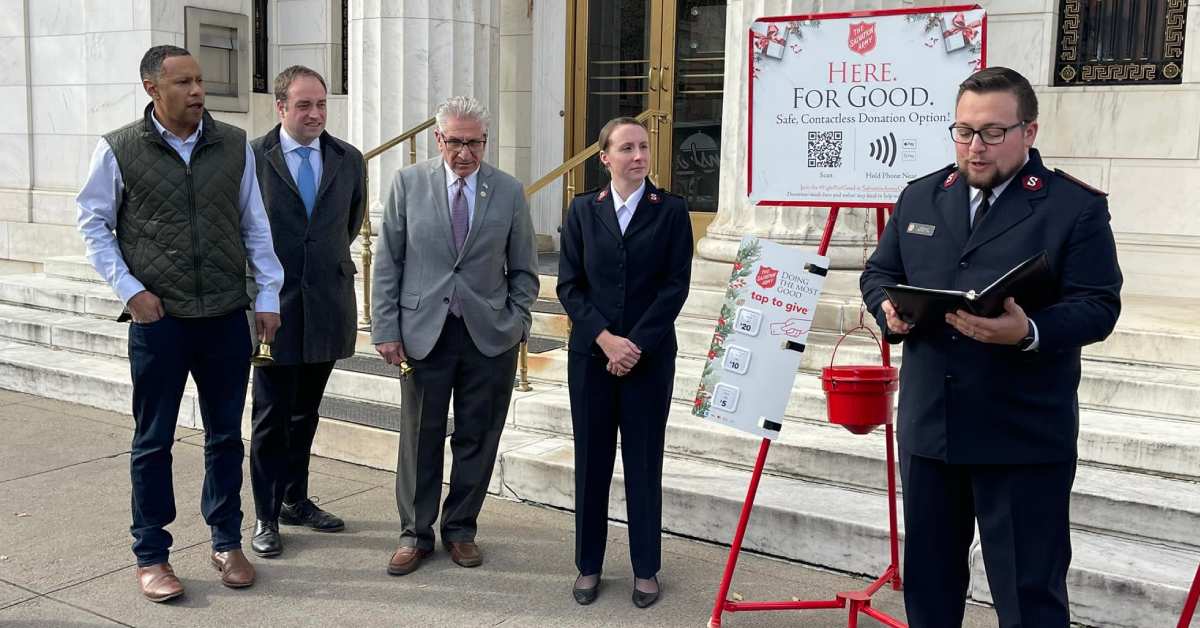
483 193
602 195
950 180
1032 183
654 197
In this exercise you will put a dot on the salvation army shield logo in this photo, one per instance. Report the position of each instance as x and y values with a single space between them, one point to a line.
861 38
767 276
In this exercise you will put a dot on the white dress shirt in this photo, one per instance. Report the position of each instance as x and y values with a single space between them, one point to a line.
628 204
101 196
976 201
292 158
452 190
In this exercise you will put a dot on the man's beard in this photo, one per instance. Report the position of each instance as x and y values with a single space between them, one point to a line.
987 181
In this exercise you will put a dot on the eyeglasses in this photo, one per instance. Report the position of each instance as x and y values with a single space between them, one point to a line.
991 135
456 145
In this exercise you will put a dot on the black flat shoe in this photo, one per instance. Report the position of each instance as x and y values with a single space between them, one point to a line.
306 513
645 600
585 596
266 542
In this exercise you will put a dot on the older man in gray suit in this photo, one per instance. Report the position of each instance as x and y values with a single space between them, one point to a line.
454 281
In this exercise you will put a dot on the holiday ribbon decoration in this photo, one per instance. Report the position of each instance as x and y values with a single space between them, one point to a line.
959 25
762 42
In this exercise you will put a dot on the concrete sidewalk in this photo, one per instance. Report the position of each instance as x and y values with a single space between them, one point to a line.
65 557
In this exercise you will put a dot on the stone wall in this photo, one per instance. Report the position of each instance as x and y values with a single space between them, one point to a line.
71 74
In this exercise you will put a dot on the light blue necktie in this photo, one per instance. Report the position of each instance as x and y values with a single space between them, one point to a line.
306 180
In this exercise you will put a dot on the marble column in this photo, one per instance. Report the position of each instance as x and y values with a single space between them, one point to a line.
736 217
405 59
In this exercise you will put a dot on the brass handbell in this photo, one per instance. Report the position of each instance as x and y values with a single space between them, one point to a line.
262 355
405 369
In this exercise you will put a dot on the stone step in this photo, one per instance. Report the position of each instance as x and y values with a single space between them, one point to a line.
845 529
1129 388
92 380
1131 440
1111 387
56 293
1119 501
1114 582
74 267
355 442
1150 331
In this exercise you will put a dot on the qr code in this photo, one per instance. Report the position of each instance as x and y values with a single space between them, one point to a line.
824 149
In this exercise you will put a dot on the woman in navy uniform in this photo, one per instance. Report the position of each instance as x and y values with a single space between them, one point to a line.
624 268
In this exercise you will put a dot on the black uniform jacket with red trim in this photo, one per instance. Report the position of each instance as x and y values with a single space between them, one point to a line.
632 284
964 401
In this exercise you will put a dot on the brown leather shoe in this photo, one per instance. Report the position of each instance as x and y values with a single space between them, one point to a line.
158 582
236 571
464 554
406 560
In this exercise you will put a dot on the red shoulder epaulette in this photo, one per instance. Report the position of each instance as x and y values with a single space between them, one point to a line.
1081 184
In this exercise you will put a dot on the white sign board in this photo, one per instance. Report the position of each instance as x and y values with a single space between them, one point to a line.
846 108
760 336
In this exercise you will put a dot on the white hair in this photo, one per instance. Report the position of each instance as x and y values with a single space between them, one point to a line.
463 108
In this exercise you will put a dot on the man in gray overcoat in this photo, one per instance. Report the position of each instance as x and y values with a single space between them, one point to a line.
455 277
312 186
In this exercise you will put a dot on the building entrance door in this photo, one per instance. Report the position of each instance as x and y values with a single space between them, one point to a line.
634 55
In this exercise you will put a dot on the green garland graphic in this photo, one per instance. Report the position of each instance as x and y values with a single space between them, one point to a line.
748 254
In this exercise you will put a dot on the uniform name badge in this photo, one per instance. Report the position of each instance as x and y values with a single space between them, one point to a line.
921 229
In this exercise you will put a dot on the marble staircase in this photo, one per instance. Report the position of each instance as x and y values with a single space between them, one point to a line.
1136 502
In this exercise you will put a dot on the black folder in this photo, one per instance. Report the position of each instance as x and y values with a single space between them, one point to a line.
1031 283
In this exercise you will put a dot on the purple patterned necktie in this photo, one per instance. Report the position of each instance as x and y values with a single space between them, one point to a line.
460 223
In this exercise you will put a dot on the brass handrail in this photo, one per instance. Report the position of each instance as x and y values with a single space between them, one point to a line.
407 135
594 148
411 136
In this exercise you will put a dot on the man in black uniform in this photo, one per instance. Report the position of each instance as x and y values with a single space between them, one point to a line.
988 407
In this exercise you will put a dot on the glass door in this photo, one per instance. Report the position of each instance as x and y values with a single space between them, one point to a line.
696 88
634 55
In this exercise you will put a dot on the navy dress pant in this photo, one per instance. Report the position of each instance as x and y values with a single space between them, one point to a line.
1023 514
636 405
216 352
285 410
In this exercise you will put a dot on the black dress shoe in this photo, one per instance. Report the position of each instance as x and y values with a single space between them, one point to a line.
642 599
306 513
266 542
585 596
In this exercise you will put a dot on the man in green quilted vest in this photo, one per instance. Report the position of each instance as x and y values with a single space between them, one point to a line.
172 214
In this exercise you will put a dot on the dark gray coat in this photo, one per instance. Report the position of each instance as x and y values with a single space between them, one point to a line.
317 304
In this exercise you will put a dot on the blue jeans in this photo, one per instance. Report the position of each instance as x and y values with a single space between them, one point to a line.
216 351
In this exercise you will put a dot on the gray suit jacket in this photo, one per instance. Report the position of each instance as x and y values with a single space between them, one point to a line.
417 269
317 307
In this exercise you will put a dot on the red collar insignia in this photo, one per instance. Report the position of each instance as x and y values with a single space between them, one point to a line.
1032 182
950 180
654 198
602 195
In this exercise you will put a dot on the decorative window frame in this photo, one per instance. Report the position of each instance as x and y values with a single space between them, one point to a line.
1070 68
242 54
